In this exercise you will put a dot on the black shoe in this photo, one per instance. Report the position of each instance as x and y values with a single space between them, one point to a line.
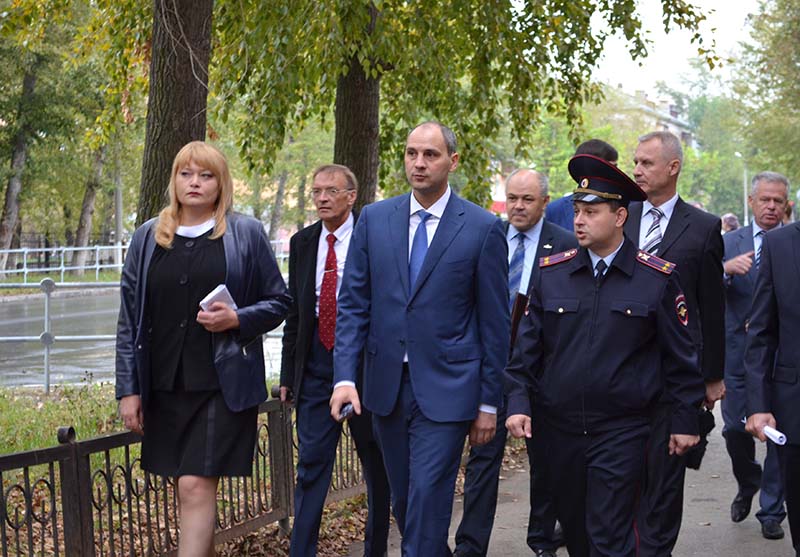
545 553
740 507
771 530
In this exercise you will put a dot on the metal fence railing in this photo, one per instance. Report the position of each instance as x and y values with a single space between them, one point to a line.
91 498
30 263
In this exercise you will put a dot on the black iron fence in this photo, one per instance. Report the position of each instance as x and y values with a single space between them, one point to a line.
91 498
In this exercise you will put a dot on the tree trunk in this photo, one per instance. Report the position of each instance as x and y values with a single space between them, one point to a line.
277 208
19 156
357 125
176 106
87 210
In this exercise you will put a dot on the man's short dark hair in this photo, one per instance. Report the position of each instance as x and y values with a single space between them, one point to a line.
447 133
598 148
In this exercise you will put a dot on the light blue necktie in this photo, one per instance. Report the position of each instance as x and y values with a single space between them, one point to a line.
515 269
419 247
760 235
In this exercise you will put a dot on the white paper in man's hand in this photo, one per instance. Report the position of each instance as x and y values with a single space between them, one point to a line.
774 435
219 294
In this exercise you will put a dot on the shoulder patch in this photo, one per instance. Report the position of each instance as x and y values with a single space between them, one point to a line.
549 260
654 262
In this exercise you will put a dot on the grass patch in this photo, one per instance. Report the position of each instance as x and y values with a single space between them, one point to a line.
29 419
108 275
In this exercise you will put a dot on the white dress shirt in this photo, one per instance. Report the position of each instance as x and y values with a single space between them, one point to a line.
608 258
340 247
532 236
436 210
647 219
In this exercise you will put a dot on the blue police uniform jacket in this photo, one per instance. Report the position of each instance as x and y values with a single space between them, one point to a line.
256 285
598 357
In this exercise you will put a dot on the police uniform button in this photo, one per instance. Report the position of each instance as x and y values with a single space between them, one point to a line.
560 310
184 279
628 311
183 323
190 243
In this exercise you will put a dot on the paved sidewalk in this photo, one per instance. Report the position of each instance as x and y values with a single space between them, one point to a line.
707 528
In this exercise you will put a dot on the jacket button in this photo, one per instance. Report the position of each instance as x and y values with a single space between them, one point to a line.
628 311
184 279
183 323
190 243
560 310
139 347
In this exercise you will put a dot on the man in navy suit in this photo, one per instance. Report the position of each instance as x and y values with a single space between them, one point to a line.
772 359
530 237
425 293
768 198
666 226
316 260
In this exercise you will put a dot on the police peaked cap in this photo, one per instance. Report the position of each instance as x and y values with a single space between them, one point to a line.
599 181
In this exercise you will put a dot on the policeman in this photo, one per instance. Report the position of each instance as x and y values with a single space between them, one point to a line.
605 333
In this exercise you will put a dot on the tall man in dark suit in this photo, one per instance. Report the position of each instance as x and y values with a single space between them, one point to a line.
768 198
772 359
425 292
316 261
666 226
529 237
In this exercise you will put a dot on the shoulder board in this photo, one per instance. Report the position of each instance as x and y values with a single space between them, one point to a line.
549 260
654 262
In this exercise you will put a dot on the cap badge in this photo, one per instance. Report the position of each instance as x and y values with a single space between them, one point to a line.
584 183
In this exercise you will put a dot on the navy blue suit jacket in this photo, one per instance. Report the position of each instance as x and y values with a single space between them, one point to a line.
772 359
561 212
738 300
454 324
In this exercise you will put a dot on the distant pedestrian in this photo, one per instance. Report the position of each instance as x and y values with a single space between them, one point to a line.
730 222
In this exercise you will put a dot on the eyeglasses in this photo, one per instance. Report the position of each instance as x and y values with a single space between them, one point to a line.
330 192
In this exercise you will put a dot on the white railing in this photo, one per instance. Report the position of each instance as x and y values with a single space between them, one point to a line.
30 261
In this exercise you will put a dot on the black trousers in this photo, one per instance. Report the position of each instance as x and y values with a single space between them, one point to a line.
789 457
595 480
661 505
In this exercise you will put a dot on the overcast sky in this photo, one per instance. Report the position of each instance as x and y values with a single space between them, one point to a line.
669 55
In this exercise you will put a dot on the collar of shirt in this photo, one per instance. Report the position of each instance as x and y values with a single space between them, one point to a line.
667 208
531 235
608 258
436 210
341 233
196 230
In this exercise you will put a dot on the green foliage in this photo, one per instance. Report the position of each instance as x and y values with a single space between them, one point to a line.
29 419
460 62
768 84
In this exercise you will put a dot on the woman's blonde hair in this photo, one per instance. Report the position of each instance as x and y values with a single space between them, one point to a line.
210 158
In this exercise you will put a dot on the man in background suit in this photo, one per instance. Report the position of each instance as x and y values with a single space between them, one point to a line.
769 195
529 238
772 356
561 211
425 292
316 260
670 228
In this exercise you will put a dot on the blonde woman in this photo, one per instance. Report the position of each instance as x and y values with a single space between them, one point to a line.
190 380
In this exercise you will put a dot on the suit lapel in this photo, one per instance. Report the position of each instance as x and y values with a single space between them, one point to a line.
796 246
544 249
677 224
744 245
451 223
633 222
398 232
307 247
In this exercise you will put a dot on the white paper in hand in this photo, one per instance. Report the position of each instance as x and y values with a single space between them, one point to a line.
219 294
774 435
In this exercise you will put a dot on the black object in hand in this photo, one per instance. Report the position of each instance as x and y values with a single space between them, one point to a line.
345 412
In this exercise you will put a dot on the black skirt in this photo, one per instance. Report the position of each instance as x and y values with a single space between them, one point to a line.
194 433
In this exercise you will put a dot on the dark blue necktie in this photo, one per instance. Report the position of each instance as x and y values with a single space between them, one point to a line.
419 247
515 269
